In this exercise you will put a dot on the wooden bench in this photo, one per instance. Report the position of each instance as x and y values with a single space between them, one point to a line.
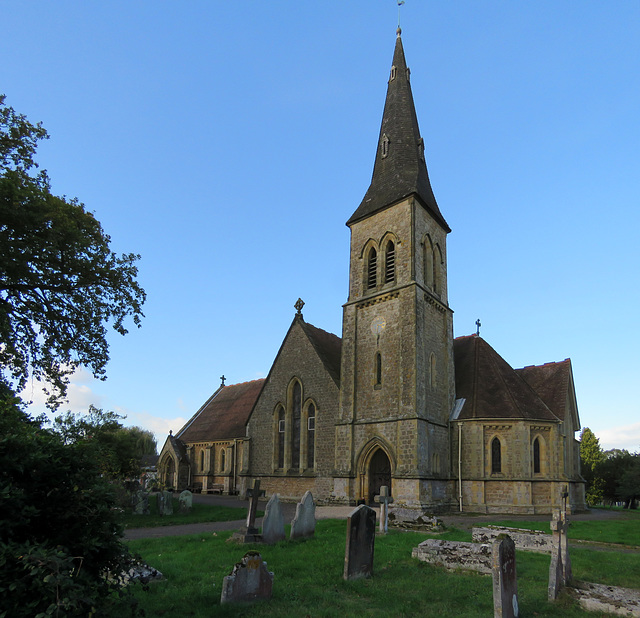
216 488
195 488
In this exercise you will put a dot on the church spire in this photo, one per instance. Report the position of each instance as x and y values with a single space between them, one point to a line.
400 169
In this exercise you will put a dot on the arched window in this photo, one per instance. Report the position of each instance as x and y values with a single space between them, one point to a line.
280 437
496 457
428 263
222 459
433 376
296 414
311 436
390 263
378 370
437 270
536 456
202 460
372 269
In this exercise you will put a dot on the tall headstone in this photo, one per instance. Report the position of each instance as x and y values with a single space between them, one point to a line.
250 580
385 500
251 534
567 572
303 525
505 581
361 535
165 503
560 572
186 502
273 522
140 502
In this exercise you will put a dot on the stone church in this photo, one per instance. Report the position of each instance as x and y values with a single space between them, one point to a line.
445 423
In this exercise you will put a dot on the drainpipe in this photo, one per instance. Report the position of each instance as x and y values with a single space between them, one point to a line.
460 465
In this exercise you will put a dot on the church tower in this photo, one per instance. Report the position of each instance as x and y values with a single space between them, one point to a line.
397 376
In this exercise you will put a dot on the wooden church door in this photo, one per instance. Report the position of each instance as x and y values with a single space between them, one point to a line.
379 474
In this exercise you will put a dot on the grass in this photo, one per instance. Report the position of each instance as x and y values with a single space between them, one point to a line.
308 578
199 513
624 530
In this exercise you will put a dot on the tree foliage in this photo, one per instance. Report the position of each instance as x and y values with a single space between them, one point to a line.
591 455
118 450
60 536
61 285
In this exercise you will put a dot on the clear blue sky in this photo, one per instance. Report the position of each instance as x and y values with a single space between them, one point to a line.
228 143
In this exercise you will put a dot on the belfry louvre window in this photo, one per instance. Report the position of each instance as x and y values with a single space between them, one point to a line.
390 263
496 457
378 374
372 267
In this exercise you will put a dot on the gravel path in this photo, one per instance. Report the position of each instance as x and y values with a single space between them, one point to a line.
462 521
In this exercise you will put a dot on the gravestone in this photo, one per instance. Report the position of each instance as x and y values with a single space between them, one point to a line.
250 580
567 572
361 534
251 534
273 522
165 503
303 525
140 502
560 567
385 500
505 581
186 502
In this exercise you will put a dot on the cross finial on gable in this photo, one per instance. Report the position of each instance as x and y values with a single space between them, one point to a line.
478 325
298 306
222 379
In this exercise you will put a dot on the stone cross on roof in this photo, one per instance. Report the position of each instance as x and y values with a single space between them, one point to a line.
298 306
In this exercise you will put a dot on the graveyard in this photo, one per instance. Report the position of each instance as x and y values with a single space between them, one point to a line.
309 575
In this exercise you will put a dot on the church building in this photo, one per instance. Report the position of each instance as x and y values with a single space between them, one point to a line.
445 423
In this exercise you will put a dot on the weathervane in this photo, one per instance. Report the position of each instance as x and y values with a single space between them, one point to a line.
478 325
400 3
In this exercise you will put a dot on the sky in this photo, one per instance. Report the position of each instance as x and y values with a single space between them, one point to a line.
228 143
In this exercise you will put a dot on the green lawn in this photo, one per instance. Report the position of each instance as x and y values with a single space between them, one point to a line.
199 513
308 578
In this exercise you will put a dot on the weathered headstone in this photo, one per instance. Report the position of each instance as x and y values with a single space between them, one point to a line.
140 502
186 502
567 572
250 580
251 534
303 525
560 572
505 581
385 500
273 522
165 503
361 535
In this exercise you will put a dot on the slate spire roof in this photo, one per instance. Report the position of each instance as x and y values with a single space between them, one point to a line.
400 169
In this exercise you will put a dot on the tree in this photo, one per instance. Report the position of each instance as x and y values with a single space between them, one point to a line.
118 450
591 456
60 536
60 283
620 473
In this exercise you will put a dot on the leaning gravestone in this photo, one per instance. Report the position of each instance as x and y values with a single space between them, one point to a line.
273 522
303 525
186 502
249 581
165 503
140 502
251 534
505 581
361 534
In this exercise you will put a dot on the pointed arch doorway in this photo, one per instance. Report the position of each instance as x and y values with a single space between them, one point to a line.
379 474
